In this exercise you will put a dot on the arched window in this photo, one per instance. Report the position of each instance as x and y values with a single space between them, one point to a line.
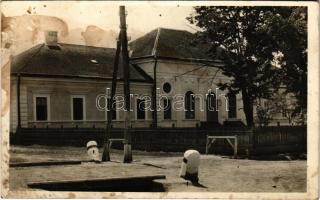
189 105
232 106
167 109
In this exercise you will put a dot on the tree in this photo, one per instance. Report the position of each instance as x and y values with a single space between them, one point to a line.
286 105
281 104
247 39
291 35
264 115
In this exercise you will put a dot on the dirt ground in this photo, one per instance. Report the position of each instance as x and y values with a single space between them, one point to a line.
216 173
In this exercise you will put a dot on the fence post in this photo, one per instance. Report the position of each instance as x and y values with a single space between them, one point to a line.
305 137
207 145
251 145
235 148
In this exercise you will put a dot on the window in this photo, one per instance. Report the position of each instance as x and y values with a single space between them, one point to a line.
41 108
189 105
78 107
166 87
167 109
141 113
113 111
232 106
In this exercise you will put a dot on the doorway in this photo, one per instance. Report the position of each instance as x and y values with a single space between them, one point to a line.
211 105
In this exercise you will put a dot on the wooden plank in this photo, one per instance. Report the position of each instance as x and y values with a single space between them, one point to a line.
33 164
228 131
211 137
235 147
116 140
210 141
207 145
228 139
96 181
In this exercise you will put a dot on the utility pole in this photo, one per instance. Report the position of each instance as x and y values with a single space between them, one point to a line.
106 153
126 86
122 46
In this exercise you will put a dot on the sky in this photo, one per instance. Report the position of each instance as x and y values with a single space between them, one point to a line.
104 14
87 23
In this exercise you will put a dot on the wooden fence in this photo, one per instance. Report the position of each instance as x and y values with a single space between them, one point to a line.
258 141
278 139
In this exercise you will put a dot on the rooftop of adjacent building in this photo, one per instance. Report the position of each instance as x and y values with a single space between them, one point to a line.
59 59
171 43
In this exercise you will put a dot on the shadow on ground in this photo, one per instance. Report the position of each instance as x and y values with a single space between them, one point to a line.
109 186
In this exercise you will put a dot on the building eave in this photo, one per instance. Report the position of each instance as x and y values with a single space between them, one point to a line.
75 76
214 63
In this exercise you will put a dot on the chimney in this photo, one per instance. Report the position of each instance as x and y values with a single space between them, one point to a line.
51 38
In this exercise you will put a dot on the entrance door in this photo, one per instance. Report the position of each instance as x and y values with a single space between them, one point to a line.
212 113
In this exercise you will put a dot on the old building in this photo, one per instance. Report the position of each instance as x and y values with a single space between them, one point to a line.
58 85
55 84
180 69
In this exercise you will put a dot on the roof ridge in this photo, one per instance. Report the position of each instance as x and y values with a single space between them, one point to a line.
156 41
173 29
61 43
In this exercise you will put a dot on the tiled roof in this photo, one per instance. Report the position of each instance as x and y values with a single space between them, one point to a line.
169 43
71 60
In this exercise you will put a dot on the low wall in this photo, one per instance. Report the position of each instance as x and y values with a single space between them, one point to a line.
266 140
